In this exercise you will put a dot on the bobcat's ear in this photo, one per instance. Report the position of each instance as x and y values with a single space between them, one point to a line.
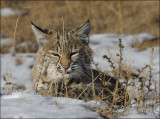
84 30
41 35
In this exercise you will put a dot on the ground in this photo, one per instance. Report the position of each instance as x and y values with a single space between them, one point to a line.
28 104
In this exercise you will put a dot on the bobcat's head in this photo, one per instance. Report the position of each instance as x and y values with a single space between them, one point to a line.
66 51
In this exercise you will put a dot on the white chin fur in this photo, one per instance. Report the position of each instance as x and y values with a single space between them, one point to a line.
53 74
66 76
58 77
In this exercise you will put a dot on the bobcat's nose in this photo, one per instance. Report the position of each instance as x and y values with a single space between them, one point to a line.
65 67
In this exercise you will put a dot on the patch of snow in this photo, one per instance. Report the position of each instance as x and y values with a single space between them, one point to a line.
23 44
6 41
12 96
20 74
106 39
135 116
42 107
5 12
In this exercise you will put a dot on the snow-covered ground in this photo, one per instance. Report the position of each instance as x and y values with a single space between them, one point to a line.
15 106
27 104
5 12
108 44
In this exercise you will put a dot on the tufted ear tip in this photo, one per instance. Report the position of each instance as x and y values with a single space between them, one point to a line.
85 29
88 21
32 23
38 28
41 34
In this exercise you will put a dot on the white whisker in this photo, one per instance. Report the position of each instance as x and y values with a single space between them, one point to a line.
82 72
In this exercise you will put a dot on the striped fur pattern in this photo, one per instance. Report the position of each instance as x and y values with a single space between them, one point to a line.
64 60
62 55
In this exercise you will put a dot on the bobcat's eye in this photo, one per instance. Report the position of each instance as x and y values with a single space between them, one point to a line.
73 53
52 53
55 54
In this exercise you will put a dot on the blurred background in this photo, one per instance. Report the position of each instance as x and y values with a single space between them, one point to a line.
116 17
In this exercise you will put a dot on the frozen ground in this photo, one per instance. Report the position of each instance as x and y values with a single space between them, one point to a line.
17 106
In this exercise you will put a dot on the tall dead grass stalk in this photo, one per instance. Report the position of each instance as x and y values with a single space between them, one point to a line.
120 16
25 97
13 48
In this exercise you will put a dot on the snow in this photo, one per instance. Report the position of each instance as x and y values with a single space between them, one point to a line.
15 106
30 105
114 38
6 41
5 12
20 74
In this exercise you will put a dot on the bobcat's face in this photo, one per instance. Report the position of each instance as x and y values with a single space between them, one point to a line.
66 51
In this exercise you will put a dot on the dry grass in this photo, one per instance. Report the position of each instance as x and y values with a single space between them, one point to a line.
106 16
